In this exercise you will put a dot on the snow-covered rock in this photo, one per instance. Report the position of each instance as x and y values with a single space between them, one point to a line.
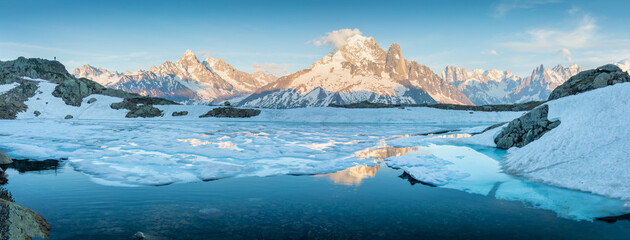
588 151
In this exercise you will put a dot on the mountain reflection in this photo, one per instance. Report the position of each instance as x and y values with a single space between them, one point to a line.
353 176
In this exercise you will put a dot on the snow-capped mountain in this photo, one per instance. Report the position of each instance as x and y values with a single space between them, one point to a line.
502 87
358 71
187 80
541 82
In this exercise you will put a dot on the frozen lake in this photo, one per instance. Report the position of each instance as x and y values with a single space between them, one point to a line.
244 180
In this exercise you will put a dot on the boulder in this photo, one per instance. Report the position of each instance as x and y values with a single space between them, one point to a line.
182 113
525 129
37 113
92 100
17 222
591 79
4 158
230 112
68 117
144 111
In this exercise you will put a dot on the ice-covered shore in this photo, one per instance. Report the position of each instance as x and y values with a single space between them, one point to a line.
588 151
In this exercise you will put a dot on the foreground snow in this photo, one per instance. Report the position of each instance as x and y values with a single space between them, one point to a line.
589 150
448 161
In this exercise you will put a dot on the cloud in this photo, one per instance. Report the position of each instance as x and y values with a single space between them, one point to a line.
565 53
573 10
205 54
505 6
273 68
493 52
584 35
336 39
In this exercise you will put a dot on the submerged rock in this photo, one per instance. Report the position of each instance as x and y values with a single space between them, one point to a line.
525 129
181 113
17 222
230 112
5 159
139 235
591 79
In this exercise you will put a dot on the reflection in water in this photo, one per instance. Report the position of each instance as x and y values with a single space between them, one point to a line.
353 176
26 165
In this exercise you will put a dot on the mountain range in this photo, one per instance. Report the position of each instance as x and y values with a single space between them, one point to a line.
187 80
358 71
502 87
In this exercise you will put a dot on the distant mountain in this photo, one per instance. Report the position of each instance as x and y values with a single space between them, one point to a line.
502 87
358 71
187 80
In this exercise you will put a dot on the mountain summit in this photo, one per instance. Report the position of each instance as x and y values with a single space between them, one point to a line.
358 71
187 80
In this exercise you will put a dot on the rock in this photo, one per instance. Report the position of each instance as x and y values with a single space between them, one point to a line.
139 235
525 129
17 222
5 159
92 100
144 111
68 117
230 112
37 113
182 113
591 79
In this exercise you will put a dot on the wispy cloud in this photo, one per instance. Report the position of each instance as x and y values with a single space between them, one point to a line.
273 68
565 53
336 39
583 35
504 7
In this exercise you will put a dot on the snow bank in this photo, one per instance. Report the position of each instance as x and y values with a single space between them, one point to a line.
51 107
7 87
473 170
589 150
346 115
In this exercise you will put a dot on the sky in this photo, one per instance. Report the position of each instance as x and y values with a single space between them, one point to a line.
286 36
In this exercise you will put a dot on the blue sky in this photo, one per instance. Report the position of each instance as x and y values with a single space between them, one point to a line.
279 36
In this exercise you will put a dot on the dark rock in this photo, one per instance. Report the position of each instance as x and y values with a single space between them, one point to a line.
4 158
144 111
17 222
182 113
525 129
591 79
37 113
92 100
68 117
230 112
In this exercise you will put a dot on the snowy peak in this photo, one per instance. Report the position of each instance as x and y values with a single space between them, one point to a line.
188 80
189 58
358 71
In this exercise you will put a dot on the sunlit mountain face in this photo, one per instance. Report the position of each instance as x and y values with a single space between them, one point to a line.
188 80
